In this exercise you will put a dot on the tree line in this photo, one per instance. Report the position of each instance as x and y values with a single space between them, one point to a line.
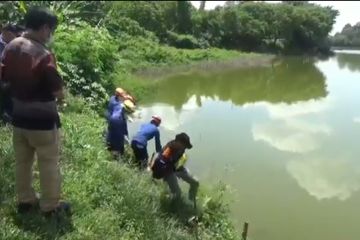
242 25
348 37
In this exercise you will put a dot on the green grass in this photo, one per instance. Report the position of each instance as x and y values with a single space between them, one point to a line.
109 200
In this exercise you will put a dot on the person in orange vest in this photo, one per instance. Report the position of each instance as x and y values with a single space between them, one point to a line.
169 166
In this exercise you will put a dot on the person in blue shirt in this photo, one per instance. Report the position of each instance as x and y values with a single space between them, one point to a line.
117 131
117 124
114 101
139 142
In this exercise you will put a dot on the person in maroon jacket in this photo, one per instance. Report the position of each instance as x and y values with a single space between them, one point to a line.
35 85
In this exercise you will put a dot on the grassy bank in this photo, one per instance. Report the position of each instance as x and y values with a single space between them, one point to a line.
110 200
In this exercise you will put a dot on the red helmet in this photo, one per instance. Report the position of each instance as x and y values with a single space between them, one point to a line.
156 119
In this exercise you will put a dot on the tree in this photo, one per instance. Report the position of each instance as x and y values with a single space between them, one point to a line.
349 36
184 23
202 5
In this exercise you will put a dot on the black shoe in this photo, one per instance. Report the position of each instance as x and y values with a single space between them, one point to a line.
27 207
64 207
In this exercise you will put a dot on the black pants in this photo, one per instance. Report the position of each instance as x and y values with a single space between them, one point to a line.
6 106
141 154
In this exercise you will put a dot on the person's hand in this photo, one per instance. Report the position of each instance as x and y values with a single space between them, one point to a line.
126 140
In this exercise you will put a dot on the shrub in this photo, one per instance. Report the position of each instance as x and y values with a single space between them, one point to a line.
86 57
182 40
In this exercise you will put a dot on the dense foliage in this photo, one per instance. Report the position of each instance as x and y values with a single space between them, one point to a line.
241 25
348 37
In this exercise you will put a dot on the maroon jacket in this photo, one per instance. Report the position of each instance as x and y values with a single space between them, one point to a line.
30 71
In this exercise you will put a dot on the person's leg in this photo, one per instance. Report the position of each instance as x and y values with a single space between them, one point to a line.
145 157
8 107
24 156
47 148
116 138
185 175
137 152
173 184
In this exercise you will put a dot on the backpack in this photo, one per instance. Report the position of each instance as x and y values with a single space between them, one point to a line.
162 165
160 169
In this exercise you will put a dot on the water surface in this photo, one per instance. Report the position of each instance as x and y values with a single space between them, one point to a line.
285 138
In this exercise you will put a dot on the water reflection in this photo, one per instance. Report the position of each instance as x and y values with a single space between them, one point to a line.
173 118
349 61
325 178
288 129
288 133
289 81
356 119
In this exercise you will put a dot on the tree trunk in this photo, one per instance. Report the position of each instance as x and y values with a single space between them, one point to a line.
202 5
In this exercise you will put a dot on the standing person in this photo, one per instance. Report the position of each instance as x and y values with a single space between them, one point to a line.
117 130
35 85
139 142
8 33
169 165
117 125
116 99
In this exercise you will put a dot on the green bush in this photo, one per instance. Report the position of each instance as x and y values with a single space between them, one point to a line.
182 40
86 57
123 26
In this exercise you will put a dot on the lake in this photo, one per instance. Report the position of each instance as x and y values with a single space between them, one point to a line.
284 137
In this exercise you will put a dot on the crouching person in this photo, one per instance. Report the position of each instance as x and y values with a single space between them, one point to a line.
169 166
139 143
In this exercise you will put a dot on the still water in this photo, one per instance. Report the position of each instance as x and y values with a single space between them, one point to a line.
284 137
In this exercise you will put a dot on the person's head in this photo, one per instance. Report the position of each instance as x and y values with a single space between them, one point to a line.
184 140
19 30
156 120
119 92
10 31
42 23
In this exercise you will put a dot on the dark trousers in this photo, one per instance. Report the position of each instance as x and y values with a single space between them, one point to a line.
5 106
141 154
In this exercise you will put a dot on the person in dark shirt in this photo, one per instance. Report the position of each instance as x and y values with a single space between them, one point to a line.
8 33
169 165
29 69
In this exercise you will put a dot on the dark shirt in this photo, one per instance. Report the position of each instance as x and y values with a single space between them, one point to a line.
172 152
30 71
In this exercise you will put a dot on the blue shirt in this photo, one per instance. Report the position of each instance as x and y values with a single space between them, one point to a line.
148 131
113 102
116 116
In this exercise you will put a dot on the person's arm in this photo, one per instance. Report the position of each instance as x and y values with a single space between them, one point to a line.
157 141
53 78
1 67
3 83
126 133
